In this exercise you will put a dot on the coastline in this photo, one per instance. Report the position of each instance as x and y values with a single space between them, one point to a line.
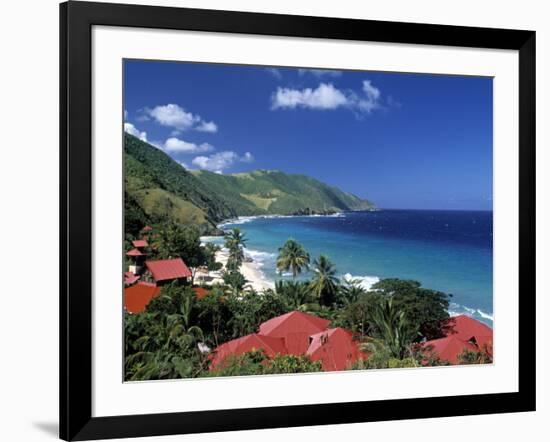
259 280
251 270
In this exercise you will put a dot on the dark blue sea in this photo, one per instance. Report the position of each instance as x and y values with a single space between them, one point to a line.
451 251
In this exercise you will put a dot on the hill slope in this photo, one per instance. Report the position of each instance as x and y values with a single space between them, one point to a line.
158 188
274 192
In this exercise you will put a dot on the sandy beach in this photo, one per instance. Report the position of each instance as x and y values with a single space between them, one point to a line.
250 270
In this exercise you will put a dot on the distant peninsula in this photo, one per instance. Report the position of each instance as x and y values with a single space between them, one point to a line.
159 189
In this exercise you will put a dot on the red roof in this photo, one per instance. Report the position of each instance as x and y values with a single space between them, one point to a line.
271 347
464 327
135 252
167 269
140 243
147 229
335 348
449 348
297 333
139 295
130 278
296 328
200 292
465 333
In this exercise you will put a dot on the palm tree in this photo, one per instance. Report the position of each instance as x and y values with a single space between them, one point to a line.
393 327
235 238
292 256
295 293
324 284
235 242
350 292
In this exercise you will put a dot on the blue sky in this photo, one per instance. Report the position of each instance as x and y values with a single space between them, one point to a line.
401 140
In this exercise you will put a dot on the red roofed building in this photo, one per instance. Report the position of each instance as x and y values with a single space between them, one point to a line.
137 258
130 278
200 292
296 328
464 327
140 243
297 333
135 252
335 348
139 295
271 347
464 333
147 229
166 270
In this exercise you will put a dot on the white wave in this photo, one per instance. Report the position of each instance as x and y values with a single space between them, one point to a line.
237 221
246 219
366 282
457 310
260 258
485 315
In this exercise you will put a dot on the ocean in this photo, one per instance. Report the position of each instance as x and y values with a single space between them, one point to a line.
451 251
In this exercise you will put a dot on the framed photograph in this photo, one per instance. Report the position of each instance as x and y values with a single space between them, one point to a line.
272 221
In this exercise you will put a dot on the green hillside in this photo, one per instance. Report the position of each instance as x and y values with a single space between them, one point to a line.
274 192
158 188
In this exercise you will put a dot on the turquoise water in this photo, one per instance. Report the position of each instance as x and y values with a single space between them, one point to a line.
449 251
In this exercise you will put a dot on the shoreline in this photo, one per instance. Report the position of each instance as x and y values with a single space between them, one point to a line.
251 270
257 279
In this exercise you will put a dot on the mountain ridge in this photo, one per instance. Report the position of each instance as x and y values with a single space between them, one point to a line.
158 188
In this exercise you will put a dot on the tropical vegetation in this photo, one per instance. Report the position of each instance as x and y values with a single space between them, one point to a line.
172 338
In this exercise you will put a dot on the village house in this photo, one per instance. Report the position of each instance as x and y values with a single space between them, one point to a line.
464 333
296 333
164 271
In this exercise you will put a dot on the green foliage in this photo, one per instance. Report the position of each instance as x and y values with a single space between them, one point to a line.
350 292
358 316
148 169
426 310
250 309
235 281
214 316
393 328
210 262
468 357
291 364
381 356
162 342
235 242
256 362
296 294
324 284
175 241
292 256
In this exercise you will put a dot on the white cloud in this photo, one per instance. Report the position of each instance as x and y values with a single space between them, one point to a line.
174 144
275 72
320 72
184 165
132 130
125 114
247 158
372 100
175 116
221 160
209 126
326 96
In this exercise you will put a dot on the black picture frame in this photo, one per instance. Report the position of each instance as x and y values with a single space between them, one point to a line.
76 21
